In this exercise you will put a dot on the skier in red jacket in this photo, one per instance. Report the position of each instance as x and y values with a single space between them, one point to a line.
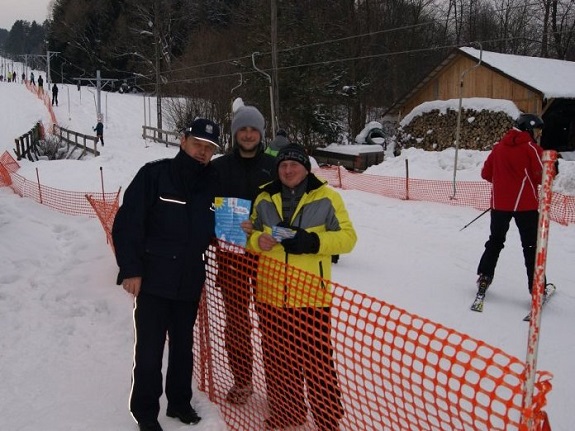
514 168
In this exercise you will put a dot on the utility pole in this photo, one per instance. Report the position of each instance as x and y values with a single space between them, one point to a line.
275 83
272 108
25 71
49 55
158 92
98 82
458 127
157 46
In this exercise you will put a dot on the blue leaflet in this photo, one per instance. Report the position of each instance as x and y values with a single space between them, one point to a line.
230 212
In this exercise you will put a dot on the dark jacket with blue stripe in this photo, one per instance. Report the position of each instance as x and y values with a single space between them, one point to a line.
164 226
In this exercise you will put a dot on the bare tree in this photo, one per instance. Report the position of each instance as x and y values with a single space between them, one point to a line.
558 28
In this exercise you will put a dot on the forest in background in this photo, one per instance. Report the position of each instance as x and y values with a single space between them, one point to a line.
327 68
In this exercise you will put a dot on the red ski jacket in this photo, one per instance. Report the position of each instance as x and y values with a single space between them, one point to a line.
514 168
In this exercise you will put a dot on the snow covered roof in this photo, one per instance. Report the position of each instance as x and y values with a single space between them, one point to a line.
553 78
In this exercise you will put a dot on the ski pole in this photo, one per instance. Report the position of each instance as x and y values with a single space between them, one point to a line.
483 213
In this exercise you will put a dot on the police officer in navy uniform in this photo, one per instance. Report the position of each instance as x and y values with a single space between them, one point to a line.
160 234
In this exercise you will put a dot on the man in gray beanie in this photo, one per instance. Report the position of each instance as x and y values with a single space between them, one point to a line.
241 172
248 117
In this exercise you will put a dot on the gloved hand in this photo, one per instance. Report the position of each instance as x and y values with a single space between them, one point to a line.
303 242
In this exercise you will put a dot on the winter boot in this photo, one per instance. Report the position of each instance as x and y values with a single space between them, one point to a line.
483 283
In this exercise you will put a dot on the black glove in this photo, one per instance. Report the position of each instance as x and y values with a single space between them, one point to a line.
302 242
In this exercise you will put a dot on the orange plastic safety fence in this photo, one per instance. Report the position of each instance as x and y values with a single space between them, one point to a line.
363 364
474 194
45 98
8 162
64 201
106 212
5 179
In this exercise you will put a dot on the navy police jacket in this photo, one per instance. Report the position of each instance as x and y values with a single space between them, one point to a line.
165 225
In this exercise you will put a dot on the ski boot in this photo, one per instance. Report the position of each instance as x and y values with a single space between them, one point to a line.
483 282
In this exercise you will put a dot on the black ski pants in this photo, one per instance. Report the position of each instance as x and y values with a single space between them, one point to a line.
154 317
235 277
527 223
297 350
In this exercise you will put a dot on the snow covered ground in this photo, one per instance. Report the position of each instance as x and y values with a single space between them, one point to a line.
66 337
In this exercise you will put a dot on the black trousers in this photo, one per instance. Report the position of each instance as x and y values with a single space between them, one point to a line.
235 277
154 317
527 223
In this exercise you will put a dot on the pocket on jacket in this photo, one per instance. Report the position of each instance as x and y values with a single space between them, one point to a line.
162 265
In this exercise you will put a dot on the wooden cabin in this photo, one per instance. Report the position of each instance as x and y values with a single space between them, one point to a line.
537 85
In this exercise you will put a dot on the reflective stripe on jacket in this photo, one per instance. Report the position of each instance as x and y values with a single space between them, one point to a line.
514 167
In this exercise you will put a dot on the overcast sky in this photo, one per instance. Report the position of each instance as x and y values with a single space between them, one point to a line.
28 10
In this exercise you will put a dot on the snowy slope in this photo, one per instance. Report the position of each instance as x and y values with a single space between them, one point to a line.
66 338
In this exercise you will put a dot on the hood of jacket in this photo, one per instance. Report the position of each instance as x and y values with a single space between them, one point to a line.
516 137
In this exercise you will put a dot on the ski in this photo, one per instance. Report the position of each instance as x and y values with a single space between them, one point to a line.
549 291
478 302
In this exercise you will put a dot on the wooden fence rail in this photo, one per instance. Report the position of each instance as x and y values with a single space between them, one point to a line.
27 144
159 135
78 140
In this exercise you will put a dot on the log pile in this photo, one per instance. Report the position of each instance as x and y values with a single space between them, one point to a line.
435 130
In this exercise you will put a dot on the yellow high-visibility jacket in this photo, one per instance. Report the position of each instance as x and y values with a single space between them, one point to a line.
321 210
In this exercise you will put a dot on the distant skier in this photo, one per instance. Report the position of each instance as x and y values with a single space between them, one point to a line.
99 129
32 81
55 95
40 85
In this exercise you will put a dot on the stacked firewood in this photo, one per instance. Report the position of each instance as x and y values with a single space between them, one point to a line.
435 130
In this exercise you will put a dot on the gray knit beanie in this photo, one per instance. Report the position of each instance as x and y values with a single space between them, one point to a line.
248 116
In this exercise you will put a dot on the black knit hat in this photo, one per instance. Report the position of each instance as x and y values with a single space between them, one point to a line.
296 153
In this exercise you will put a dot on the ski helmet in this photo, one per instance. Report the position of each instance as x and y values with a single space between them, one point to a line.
528 122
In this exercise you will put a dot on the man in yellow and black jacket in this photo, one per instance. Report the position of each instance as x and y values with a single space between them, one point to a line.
294 309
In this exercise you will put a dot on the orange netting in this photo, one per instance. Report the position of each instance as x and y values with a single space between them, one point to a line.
64 201
45 98
8 162
474 194
106 212
5 179
361 365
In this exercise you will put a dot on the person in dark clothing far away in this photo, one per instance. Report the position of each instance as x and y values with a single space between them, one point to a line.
40 85
241 173
514 168
160 235
55 95
99 129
